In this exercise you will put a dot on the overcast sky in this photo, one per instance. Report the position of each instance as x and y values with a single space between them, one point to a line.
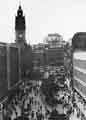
42 17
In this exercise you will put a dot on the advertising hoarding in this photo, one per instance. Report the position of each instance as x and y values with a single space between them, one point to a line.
3 71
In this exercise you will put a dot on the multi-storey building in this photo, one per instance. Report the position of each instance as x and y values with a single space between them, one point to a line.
79 62
54 50
49 55
79 66
38 59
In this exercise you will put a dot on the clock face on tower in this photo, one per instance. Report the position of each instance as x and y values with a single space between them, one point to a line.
20 35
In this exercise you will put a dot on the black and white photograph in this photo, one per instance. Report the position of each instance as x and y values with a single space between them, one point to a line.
43 60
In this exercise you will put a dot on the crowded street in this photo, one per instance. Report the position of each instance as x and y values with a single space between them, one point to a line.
42 73
28 104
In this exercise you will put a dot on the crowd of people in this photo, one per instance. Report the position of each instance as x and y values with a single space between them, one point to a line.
29 104
79 106
26 105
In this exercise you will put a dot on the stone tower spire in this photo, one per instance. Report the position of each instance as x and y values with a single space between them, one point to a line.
20 26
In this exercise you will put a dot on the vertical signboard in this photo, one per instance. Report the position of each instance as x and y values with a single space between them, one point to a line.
13 67
3 71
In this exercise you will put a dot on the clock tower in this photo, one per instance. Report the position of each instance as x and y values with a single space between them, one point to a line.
20 27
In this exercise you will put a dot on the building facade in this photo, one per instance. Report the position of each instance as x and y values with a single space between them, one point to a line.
54 50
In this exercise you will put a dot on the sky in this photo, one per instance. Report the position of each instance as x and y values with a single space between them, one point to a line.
65 17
